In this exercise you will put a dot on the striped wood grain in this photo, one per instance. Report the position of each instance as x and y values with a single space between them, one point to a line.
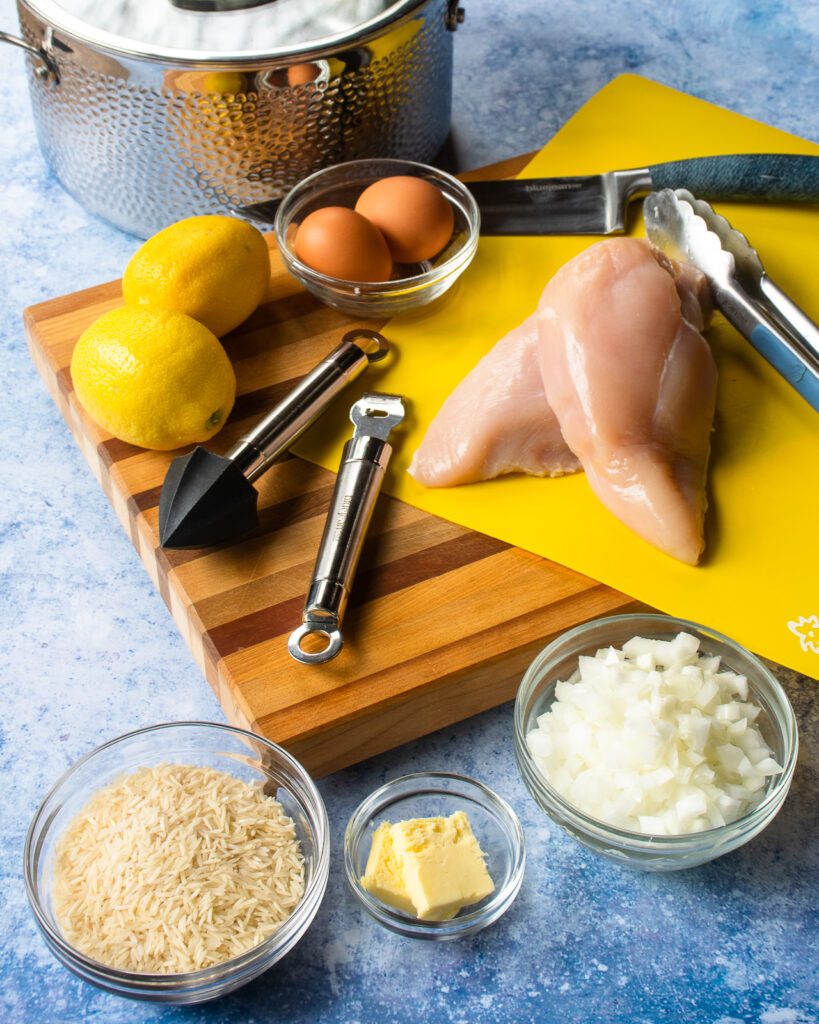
442 620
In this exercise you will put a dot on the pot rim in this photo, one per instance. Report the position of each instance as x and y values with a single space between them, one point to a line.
53 15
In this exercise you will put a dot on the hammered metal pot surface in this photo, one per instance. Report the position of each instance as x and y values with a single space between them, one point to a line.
142 144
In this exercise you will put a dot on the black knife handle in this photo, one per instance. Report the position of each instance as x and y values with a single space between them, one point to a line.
769 176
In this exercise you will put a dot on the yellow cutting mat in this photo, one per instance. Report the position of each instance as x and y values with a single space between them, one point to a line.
759 581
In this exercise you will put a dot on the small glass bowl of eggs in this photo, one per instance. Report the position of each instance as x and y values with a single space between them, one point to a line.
378 237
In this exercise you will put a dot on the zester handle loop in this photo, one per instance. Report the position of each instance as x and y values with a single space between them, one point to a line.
46 70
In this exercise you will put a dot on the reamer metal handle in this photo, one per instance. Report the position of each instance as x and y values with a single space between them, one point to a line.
360 474
273 435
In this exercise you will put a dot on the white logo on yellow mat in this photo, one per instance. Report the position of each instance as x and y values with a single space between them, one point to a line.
807 629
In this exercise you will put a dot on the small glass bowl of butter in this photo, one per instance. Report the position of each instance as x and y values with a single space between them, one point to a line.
412 802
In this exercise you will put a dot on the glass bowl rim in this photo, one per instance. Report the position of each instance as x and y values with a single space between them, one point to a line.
641 841
399 286
314 891
500 900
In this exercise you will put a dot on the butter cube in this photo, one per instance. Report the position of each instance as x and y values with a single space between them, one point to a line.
427 867
442 865
383 877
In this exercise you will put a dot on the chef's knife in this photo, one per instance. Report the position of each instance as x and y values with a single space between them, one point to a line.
596 204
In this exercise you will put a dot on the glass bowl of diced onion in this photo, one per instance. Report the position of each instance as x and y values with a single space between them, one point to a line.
246 758
653 741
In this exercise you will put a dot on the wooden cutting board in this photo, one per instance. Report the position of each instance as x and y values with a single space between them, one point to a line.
442 620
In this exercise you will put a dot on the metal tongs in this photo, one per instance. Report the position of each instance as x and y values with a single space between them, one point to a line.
363 463
689 229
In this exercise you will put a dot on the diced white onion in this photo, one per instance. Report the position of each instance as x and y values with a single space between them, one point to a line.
654 738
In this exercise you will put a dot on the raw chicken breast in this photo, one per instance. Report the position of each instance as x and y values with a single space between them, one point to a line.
496 421
633 385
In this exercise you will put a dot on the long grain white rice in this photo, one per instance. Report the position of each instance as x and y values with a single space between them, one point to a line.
175 868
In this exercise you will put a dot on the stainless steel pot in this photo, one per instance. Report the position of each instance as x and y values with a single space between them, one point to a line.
153 110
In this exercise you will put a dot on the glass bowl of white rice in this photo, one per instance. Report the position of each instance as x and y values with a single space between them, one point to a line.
653 741
179 862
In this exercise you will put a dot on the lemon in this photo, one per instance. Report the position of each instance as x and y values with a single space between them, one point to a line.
223 83
152 377
213 268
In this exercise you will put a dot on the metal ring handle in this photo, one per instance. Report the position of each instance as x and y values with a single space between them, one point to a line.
47 69
373 355
313 627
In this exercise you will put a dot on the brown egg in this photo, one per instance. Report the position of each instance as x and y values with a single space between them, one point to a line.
341 243
302 74
413 215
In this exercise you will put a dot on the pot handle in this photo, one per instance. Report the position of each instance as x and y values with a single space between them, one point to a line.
455 15
46 69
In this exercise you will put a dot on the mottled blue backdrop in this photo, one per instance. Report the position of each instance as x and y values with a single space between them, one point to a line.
89 650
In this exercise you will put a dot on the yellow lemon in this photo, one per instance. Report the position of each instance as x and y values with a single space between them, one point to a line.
213 268
222 83
153 378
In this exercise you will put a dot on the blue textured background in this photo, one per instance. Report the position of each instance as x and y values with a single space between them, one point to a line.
89 650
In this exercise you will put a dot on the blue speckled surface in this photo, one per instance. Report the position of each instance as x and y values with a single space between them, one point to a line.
89 650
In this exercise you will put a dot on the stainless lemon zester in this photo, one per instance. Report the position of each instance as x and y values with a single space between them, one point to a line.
360 474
